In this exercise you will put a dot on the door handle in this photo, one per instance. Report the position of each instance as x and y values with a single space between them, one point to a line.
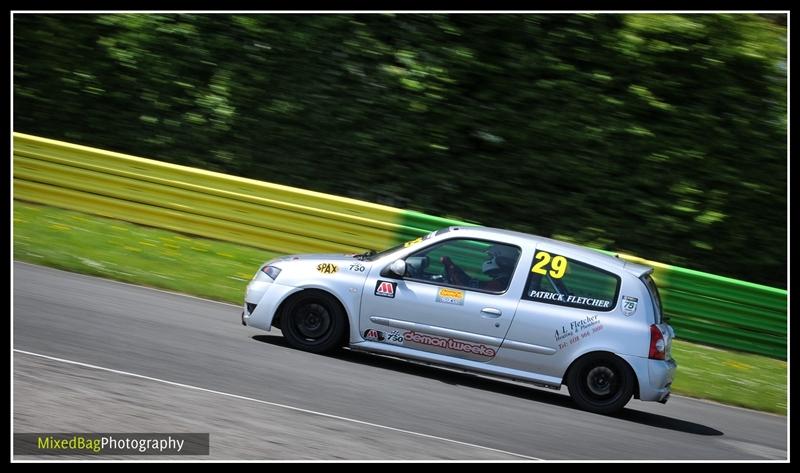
491 312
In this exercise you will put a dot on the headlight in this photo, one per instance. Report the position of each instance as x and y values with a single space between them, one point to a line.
271 271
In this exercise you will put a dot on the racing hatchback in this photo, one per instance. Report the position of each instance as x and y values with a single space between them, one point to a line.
483 300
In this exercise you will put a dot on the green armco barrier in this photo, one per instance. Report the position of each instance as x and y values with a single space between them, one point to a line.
703 308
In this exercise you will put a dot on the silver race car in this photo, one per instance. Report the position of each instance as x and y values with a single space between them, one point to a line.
484 300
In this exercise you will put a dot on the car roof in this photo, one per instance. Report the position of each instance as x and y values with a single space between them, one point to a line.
581 252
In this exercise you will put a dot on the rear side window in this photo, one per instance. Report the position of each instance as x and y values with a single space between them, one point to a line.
556 279
654 295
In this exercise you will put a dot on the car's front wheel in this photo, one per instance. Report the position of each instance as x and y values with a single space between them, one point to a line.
313 321
602 383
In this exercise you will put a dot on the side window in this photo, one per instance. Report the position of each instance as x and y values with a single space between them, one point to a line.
556 279
475 264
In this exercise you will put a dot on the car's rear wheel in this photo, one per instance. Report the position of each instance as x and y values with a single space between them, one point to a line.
313 321
602 383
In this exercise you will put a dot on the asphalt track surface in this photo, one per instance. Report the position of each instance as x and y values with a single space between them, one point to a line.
93 355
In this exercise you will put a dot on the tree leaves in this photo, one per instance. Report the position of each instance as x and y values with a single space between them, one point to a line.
659 135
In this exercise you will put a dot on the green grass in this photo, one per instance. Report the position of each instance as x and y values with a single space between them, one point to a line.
730 377
216 270
132 253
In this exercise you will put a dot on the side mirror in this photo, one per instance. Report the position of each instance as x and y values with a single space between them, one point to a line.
398 268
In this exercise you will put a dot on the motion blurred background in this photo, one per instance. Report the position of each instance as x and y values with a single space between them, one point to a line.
660 135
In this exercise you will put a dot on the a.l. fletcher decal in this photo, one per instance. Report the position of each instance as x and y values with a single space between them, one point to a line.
629 305
577 331
450 296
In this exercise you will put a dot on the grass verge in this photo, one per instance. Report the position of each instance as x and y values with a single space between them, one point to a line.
217 270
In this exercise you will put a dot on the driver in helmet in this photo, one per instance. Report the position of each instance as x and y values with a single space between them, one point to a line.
499 265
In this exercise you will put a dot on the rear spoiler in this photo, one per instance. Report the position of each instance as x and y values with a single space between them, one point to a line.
637 270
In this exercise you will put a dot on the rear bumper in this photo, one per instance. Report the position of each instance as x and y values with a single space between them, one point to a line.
660 374
655 377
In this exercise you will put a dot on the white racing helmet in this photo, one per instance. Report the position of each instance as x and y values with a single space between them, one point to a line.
501 260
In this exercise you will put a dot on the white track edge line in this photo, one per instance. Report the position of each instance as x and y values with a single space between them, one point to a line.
274 404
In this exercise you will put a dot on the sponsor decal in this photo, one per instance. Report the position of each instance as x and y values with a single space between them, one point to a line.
450 296
357 267
577 330
385 288
448 343
394 337
327 268
412 242
629 305
417 240
571 299
374 335
556 265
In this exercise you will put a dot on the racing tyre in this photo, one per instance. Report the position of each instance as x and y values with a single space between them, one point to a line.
313 321
601 383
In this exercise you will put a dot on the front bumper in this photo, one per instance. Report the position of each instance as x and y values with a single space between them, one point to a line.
262 301
247 310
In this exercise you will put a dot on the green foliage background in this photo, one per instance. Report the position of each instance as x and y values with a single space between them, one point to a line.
653 134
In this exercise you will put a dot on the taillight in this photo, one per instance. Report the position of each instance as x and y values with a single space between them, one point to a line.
658 346
271 271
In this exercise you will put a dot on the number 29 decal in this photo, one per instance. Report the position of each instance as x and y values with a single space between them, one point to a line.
557 265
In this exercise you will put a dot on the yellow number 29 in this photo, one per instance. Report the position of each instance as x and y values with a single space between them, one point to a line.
557 268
